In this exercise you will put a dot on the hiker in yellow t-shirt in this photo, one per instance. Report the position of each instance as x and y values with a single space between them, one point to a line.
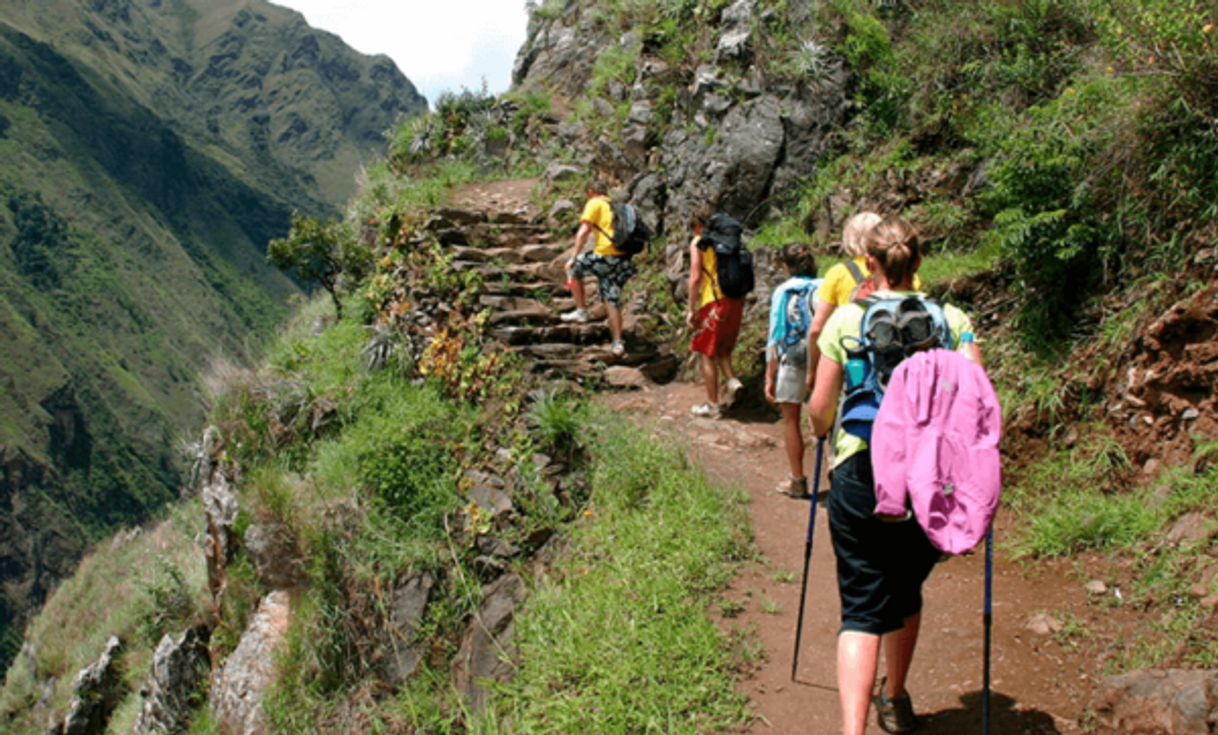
611 266
845 282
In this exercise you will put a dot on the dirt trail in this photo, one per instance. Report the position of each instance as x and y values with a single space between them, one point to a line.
1036 687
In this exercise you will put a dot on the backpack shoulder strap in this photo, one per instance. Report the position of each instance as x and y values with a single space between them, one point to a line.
855 271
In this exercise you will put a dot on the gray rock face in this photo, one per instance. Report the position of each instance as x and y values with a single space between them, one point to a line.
408 603
487 652
1175 702
96 691
220 507
237 688
178 668
736 31
275 557
560 54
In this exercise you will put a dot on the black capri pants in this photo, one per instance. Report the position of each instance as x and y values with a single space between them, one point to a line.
881 565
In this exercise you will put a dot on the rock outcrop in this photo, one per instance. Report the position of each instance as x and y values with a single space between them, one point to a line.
179 665
487 651
238 687
96 691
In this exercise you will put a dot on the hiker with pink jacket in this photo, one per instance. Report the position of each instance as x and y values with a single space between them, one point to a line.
883 559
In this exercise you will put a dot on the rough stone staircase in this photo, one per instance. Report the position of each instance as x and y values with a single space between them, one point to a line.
522 268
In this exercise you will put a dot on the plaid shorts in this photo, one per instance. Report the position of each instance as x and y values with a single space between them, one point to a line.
611 273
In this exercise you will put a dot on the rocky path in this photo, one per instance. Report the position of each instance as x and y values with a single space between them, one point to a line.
1038 686
491 229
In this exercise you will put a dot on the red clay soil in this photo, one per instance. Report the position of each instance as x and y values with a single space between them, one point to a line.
1037 686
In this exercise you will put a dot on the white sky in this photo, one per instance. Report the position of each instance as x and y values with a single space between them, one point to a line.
438 44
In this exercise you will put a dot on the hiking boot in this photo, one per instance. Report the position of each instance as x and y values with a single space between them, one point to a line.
706 410
734 387
579 316
794 487
618 349
894 714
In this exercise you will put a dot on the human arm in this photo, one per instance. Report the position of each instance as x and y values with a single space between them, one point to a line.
771 370
581 236
828 386
824 310
976 354
695 282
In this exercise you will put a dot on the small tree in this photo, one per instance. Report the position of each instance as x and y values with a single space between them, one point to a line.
321 252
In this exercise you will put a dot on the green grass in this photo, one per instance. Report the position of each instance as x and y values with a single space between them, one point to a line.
119 589
618 638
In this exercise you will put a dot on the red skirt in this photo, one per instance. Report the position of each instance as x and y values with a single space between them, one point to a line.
716 327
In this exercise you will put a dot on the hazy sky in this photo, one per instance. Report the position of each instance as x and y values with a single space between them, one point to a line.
438 44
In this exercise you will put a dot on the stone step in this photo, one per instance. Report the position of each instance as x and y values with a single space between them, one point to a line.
523 317
533 253
580 334
523 289
658 369
524 271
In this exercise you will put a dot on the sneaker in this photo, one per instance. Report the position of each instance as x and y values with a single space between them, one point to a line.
734 386
618 349
895 715
794 487
706 410
579 315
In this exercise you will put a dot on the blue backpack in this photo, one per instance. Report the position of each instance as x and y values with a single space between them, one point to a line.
892 329
799 319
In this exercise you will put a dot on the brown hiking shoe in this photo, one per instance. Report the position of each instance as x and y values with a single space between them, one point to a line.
895 714
794 487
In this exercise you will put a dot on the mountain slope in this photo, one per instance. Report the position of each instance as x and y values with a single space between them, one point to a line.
137 196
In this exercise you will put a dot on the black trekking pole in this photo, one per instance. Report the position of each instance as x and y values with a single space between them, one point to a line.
803 595
988 622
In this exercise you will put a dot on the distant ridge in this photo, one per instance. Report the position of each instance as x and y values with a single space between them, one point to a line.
149 149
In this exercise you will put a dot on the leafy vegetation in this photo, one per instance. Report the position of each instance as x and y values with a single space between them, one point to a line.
321 252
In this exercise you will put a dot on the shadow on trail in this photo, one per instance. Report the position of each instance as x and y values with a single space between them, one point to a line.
1005 719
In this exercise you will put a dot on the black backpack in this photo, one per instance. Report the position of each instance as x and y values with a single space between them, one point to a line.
733 261
631 235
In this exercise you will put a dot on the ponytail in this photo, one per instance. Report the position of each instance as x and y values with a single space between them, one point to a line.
894 244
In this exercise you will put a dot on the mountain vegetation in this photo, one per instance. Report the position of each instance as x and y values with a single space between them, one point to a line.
150 152
1060 159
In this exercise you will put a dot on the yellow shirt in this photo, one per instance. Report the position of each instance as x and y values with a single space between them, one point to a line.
839 283
709 286
599 215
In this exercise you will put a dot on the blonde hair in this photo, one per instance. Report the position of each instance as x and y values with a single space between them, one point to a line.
852 233
894 244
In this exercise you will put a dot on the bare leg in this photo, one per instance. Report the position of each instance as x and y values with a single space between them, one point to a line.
710 376
725 366
898 655
857 660
615 321
794 437
577 292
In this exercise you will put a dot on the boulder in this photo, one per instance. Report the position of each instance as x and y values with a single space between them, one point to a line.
1151 701
487 651
238 686
407 605
275 557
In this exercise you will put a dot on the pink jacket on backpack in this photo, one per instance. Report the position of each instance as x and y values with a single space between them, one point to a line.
935 442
